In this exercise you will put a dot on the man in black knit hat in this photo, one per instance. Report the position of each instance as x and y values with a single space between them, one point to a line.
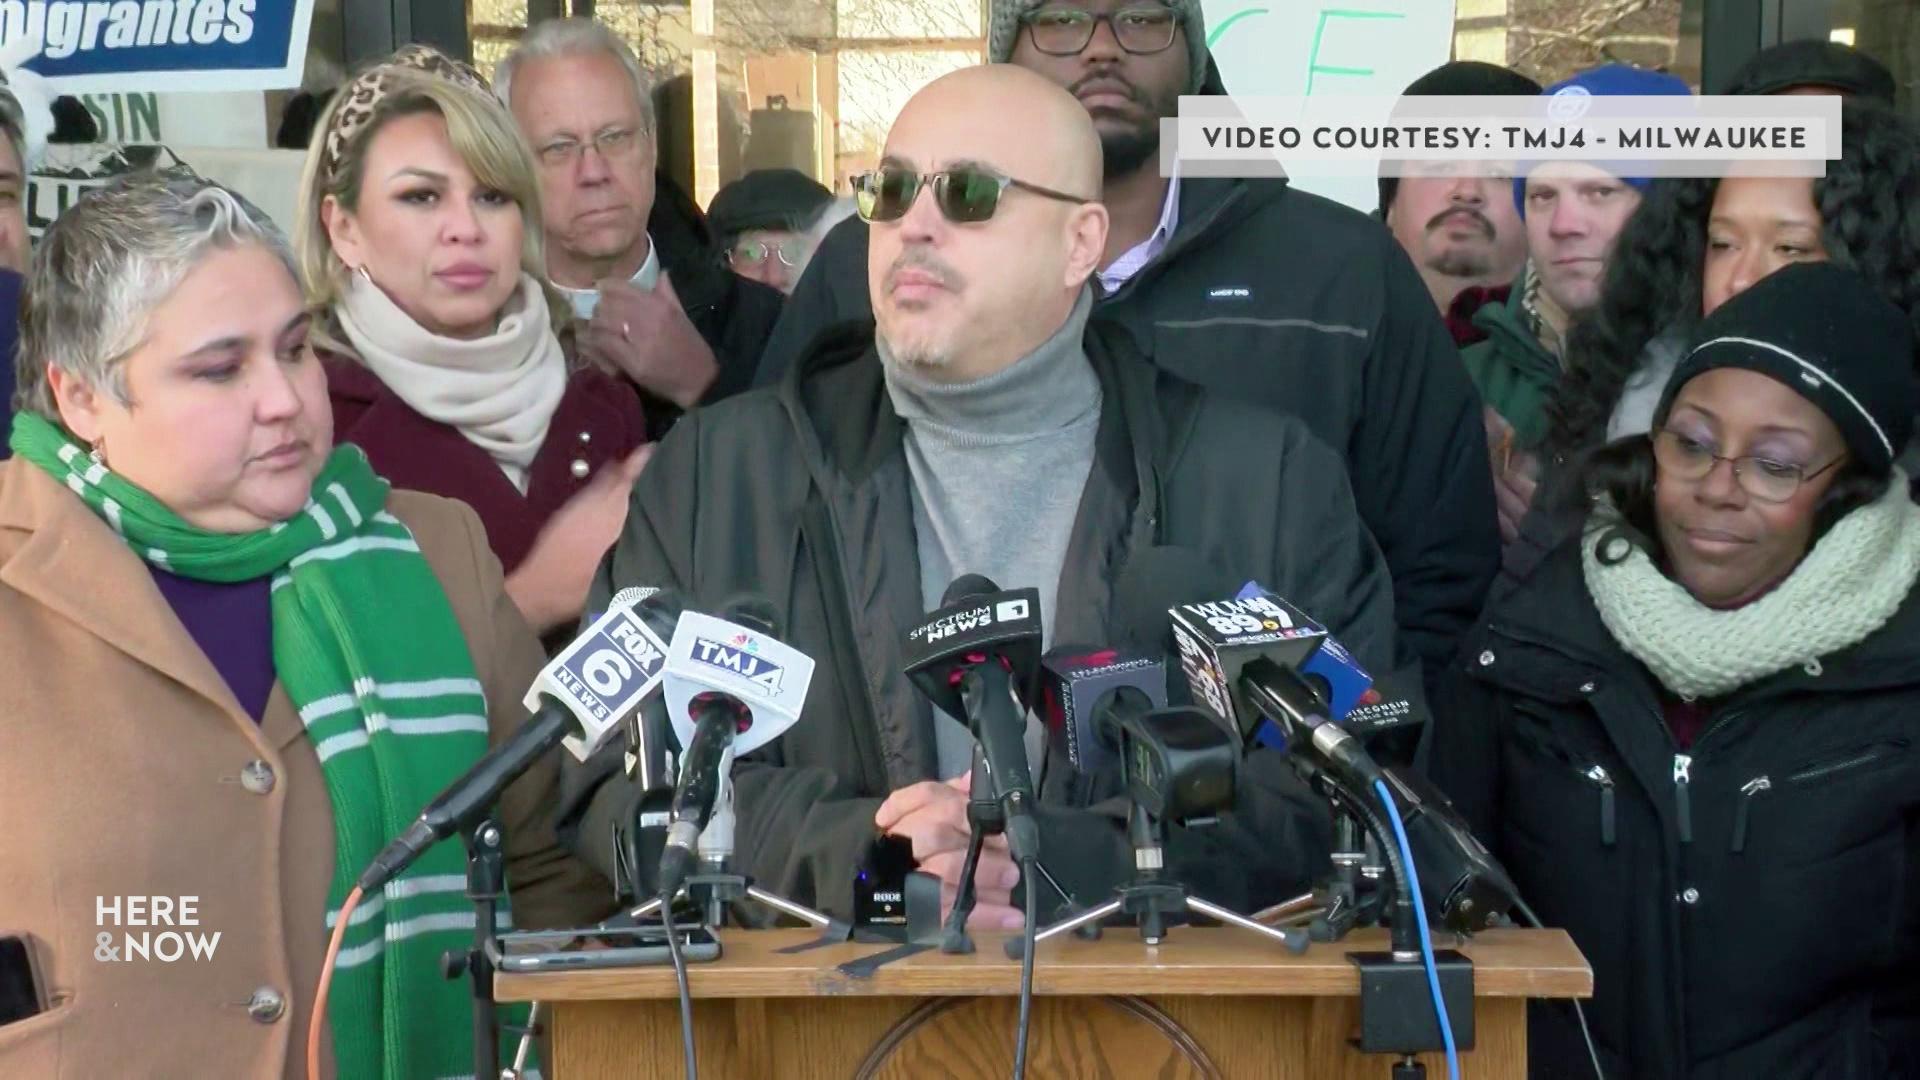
1460 227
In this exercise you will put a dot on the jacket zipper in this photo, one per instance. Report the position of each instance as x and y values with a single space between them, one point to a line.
1599 775
837 607
1683 807
1748 791
1854 761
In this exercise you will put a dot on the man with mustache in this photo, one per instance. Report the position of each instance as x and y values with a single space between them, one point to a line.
1251 288
1457 224
1573 211
984 424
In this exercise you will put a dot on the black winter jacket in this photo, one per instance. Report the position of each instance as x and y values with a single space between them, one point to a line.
1751 907
803 496
1279 297
733 315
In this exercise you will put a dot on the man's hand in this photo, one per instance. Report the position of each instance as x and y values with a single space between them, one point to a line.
646 336
933 815
1515 475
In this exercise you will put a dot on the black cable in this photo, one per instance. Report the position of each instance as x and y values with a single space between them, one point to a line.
1593 1053
686 995
1026 970
1376 825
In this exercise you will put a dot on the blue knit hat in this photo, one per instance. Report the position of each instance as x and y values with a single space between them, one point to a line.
1611 80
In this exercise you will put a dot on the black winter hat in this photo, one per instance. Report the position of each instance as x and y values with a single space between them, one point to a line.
1461 78
766 199
1826 333
1813 63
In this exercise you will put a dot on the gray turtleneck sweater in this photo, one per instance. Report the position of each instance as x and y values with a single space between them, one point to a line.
998 467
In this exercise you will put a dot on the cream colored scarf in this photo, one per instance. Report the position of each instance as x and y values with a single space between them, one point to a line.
1846 588
500 391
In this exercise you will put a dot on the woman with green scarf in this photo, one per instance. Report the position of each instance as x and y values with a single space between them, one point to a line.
238 664
1692 734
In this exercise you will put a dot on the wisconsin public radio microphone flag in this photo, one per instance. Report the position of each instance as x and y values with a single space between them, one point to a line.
87 46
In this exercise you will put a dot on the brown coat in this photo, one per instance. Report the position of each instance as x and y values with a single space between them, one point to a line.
121 761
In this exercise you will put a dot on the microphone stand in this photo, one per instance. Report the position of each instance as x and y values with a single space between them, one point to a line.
716 886
984 818
1150 895
486 884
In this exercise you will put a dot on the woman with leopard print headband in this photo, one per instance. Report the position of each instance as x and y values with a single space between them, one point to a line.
420 239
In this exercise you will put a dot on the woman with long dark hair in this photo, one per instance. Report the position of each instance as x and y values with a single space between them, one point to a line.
1691 733
1696 241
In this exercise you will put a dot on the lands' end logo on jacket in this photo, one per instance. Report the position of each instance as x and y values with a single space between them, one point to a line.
739 660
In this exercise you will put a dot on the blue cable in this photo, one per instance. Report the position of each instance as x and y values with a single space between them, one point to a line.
1420 914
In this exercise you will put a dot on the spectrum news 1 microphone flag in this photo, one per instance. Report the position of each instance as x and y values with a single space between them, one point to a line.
83 46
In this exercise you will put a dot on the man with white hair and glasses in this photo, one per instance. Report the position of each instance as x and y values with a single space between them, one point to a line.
629 250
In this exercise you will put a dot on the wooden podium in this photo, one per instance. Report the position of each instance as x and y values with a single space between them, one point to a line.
1206 1002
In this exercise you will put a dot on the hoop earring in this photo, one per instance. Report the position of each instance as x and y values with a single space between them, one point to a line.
98 454
361 273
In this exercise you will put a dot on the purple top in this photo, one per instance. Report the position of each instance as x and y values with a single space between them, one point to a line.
233 625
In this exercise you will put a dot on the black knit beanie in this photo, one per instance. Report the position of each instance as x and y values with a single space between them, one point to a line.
1829 335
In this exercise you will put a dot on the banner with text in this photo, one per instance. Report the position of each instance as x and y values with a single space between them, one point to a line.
162 45
1501 136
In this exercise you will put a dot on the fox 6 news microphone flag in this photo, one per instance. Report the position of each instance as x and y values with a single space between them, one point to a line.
604 674
712 655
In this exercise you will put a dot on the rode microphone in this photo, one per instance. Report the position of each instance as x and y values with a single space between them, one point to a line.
1077 684
976 659
731 688
579 698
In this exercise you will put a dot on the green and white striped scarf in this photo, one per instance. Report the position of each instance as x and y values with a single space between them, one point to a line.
370 653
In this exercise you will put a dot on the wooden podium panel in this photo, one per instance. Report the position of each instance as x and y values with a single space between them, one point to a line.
1207 1002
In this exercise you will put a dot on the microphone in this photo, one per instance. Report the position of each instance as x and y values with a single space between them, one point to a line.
1079 688
578 698
610 667
976 658
731 688
1242 659
648 742
1466 888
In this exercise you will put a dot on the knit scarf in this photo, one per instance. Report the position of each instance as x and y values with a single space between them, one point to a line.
369 652
500 391
1846 588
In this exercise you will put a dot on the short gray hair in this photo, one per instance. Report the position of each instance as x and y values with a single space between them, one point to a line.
108 261
572 37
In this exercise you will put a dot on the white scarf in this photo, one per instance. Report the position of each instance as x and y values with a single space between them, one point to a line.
500 391
1846 588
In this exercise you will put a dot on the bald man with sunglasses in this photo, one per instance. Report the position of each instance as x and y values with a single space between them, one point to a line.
984 425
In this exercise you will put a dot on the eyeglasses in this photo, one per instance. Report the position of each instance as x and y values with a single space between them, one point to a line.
1687 458
1067 31
965 196
614 144
755 252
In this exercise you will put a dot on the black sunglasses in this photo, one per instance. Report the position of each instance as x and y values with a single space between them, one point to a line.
965 195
